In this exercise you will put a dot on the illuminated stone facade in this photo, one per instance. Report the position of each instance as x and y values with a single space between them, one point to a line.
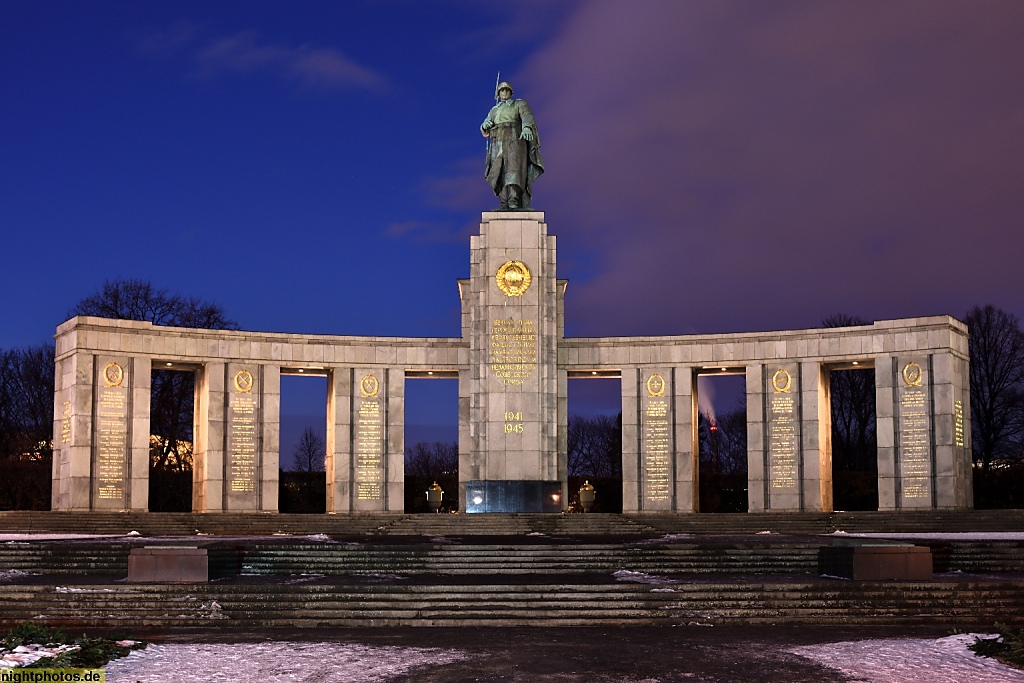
513 363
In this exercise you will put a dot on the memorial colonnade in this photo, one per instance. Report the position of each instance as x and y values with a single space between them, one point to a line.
102 404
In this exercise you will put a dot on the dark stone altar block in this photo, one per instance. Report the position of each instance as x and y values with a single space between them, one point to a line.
877 562
181 564
514 496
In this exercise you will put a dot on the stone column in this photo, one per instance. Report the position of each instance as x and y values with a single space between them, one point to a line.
338 463
885 430
687 451
631 469
119 459
72 432
816 430
784 448
251 425
394 500
757 439
657 440
369 400
209 436
563 432
270 427
915 438
512 303
138 470
951 403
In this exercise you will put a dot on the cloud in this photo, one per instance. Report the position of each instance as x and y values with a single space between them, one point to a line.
742 165
244 53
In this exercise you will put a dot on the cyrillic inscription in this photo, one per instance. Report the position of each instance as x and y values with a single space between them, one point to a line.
783 433
243 421
657 451
111 438
915 442
513 350
369 474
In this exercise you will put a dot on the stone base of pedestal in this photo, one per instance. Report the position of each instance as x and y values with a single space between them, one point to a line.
180 564
877 562
513 496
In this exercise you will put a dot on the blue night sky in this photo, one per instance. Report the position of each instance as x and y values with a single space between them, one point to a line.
711 166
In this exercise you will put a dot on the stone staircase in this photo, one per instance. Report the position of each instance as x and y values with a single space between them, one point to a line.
612 525
503 570
514 556
247 607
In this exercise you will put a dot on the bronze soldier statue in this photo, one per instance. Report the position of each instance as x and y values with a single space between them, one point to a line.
513 152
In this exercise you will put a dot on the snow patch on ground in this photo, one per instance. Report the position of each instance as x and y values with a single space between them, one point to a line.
640 577
273 662
12 574
304 578
45 536
23 655
944 536
668 538
911 660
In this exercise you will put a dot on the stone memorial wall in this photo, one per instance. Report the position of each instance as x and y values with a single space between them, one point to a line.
512 362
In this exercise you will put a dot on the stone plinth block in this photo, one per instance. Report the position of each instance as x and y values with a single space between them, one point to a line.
877 562
181 564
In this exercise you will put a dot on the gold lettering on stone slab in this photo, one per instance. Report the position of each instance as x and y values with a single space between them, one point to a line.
514 422
783 440
513 350
243 421
915 438
369 474
65 423
111 439
958 423
657 480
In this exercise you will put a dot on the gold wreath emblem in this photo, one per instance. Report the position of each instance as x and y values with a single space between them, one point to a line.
912 374
369 386
781 381
513 278
244 382
113 375
656 385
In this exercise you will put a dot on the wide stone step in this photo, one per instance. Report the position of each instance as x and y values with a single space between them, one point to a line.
279 606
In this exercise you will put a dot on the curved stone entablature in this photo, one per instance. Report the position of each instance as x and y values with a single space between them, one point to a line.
512 363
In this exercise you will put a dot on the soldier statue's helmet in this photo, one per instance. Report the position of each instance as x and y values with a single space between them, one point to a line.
502 86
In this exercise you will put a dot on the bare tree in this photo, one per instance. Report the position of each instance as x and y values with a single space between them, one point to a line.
722 442
173 393
852 392
432 460
26 402
310 452
997 385
594 446
133 299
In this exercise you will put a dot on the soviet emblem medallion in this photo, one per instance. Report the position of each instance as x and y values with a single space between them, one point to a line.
369 386
243 382
655 385
513 278
113 375
781 381
912 374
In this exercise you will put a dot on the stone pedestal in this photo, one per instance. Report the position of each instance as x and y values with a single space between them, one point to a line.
876 562
510 312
